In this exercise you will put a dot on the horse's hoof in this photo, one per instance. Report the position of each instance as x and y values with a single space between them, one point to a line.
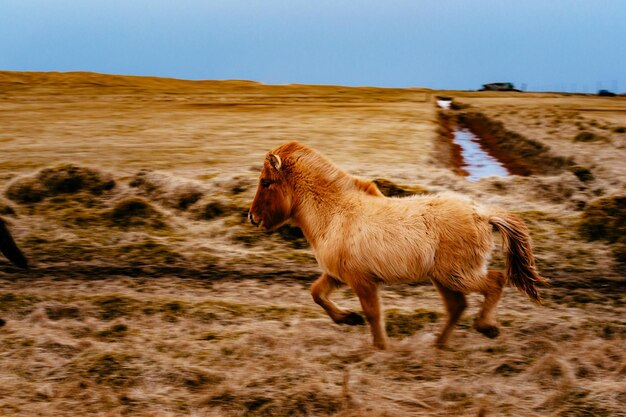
380 346
490 331
440 344
353 319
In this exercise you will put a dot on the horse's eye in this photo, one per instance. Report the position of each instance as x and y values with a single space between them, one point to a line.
265 183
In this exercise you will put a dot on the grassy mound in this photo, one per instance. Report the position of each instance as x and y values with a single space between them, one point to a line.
55 181
605 219
136 212
167 190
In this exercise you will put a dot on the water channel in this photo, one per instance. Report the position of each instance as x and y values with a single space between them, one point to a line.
476 161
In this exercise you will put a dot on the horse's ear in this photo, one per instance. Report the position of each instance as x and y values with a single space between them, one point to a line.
275 161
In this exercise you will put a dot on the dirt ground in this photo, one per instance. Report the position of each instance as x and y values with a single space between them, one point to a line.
150 295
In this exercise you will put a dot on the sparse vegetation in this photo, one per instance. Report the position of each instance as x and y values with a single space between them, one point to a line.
150 293
114 343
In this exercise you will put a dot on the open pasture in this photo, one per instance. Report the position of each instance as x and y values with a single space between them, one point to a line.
151 295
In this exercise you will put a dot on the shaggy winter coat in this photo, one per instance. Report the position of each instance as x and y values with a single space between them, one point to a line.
363 239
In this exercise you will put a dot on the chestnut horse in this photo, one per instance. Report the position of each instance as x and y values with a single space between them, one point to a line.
364 240
9 248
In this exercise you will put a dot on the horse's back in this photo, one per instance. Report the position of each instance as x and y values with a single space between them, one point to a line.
407 239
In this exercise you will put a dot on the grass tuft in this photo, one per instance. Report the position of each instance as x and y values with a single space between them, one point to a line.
17 302
586 136
605 219
136 212
214 208
112 369
62 179
112 333
401 325
582 173
114 306
6 209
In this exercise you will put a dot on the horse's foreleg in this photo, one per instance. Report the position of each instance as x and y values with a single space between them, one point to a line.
455 305
321 290
485 322
370 302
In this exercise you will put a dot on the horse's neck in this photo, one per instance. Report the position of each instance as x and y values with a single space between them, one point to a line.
319 202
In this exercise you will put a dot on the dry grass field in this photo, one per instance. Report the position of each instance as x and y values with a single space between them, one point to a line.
150 295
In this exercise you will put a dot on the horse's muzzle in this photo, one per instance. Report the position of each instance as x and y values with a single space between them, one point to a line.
251 218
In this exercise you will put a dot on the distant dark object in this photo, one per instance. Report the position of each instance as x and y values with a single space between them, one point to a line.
606 93
9 248
499 87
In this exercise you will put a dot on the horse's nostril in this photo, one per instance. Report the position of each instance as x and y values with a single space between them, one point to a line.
252 219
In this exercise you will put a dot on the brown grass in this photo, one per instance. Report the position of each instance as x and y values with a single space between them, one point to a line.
150 294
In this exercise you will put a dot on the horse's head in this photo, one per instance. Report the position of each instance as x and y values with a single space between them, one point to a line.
273 202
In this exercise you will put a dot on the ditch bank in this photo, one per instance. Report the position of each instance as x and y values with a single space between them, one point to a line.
518 154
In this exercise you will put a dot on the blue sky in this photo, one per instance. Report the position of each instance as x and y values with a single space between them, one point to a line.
564 45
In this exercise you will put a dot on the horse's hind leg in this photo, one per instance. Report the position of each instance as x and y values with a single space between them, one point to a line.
321 290
485 322
455 305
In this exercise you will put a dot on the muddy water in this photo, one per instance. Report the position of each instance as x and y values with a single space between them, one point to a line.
478 163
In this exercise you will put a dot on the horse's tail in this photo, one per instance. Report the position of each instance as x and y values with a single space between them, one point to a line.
9 248
520 262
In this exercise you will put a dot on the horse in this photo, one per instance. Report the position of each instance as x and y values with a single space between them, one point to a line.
365 240
9 248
